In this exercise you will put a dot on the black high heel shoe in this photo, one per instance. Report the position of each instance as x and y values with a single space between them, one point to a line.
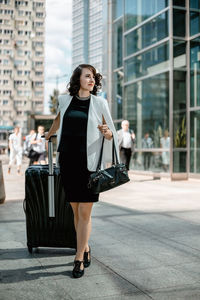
86 258
77 272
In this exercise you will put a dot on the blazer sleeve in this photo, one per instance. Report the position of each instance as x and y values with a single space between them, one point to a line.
60 103
108 143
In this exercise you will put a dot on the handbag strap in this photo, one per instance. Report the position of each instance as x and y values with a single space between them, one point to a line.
100 156
114 155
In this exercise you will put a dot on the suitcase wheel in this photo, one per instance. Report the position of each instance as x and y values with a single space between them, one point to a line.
30 249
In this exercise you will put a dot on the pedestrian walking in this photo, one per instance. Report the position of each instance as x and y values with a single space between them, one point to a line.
81 129
126 140
165 144
27 145
15 145
147 143
39 147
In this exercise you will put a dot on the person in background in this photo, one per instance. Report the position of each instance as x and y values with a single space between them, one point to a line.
15 145
39 146
126 140
165 144
27 141
147 143
27 145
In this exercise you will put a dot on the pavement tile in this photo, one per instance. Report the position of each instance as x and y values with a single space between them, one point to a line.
157 278
191 269
124 257
133 296
10 245
105 285
33 290
189 239
187 292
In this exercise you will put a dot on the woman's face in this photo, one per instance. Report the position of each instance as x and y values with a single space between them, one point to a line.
87 80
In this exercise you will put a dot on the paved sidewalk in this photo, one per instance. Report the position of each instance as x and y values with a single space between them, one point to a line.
145 245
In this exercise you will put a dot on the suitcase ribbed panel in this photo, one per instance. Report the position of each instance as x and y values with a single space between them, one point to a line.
42 230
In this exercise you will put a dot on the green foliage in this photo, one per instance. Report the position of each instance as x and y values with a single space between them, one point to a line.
53 102
180 135
157 134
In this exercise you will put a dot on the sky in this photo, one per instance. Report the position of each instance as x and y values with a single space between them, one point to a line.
58 46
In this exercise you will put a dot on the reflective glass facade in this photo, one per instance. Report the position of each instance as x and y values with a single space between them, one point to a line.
156 81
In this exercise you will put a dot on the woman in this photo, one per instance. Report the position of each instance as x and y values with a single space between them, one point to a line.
83 119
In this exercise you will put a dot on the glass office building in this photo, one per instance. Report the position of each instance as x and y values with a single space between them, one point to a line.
87 30
156 82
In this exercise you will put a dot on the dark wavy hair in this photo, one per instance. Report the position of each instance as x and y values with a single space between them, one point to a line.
74 84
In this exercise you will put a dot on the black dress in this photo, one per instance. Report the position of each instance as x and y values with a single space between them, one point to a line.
73 153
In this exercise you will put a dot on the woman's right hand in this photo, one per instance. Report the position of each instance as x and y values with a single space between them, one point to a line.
47 136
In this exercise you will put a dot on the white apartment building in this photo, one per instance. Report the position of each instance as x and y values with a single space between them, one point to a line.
21 61
87 33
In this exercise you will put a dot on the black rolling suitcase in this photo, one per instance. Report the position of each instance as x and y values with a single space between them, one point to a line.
49 218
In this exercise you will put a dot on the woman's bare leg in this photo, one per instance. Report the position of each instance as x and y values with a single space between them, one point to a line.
74 206
83 229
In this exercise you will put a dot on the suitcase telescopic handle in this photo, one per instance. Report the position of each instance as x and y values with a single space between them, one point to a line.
52 136
50 152
51 191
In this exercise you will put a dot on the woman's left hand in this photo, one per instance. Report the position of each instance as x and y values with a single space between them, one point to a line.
107 133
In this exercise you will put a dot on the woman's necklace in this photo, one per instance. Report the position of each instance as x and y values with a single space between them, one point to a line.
83 98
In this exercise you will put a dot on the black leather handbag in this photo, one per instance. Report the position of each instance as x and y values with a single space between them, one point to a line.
104 180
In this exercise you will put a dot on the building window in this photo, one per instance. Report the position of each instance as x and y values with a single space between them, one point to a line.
195 19
5 62
38 63
39 15
19 113
27 73
38 73
38 53
118 38
7 52
179 3
147 108
39 24
117 101
118 8
136 11
19 93
38 103
195 141
179 54
27 53
195 73
20 52
6 112
4 1
7 72
38 83
147 63
179 18
179 109
150 33
27 93
38 33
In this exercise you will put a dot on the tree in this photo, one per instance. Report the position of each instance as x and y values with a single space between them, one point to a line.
53 102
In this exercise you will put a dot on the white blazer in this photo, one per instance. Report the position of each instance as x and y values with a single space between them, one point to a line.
98 108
